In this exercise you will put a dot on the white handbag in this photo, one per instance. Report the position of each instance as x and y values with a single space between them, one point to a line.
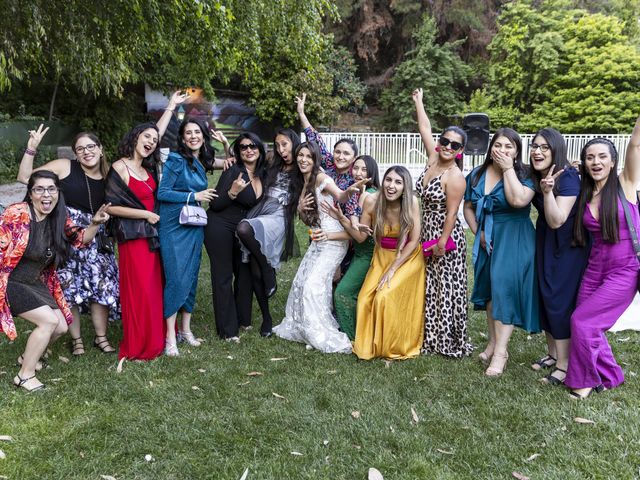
193 215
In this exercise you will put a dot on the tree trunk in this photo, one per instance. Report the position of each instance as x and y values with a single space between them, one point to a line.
53 98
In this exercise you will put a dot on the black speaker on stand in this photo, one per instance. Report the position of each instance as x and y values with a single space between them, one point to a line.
477 127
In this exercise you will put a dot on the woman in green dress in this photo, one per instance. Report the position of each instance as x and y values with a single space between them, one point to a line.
346 293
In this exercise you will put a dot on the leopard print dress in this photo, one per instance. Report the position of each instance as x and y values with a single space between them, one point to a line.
445 326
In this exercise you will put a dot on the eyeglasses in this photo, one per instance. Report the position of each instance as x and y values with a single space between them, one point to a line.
52 190
89 148
444 141
544 148
246 146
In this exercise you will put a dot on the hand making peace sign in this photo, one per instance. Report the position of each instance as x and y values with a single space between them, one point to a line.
547 183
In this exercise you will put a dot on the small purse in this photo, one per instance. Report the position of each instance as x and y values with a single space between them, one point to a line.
193 215
450 245
632 229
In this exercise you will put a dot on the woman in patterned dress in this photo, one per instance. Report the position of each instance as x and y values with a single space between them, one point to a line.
441 188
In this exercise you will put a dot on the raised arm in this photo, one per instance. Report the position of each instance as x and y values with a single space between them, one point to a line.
176 99
60 167
312 134
342 196
630 176
424 125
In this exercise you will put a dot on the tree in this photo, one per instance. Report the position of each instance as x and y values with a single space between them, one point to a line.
435 68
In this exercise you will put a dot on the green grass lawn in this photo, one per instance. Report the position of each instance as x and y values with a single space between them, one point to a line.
203 415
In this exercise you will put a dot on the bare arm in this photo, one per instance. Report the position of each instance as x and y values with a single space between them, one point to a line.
470 216
630 176
454 190
304 121
61 167
556 209
424 125
176 99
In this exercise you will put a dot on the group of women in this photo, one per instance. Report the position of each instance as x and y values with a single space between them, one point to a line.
384 274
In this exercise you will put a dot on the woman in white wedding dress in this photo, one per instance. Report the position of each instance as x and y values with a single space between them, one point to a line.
308 312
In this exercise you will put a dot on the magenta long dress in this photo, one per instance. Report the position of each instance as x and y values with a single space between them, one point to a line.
608 287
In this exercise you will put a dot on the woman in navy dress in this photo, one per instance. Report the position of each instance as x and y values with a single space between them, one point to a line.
184 180
559 263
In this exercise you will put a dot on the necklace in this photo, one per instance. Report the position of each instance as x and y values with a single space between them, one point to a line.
138 176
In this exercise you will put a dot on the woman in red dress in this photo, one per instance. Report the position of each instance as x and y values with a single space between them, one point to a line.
131 187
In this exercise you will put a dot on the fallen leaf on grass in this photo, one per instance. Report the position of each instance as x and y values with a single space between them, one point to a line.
229 357
55 380
332 372
201 370
81 453
245 474
195 387
244 383
277 395
107 477
120 365
357 447
325 442
277 359
6 438
150 383
584 421
392 429
355 414
298 454
533 457
625 339
374 474
387 363
446 452
414 416
148 458
254 374
63 359
519 476
2 455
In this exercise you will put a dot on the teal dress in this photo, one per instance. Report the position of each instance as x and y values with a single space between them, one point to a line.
345 297
180 245
504 271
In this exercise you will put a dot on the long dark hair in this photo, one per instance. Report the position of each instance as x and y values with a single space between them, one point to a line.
463 134
521 170
372 170
609 223
207 152
558 148
57 219
261 164
311 217
104 164
127 145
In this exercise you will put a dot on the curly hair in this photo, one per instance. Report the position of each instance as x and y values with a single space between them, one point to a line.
127 145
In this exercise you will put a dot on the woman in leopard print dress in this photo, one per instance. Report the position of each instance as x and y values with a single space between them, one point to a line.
441 188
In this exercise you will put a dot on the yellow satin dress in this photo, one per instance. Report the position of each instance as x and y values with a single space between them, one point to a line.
390 322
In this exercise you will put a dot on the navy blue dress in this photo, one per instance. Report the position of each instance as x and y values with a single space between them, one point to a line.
560 266
180 245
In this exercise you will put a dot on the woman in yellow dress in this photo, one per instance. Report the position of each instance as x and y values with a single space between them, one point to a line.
390 320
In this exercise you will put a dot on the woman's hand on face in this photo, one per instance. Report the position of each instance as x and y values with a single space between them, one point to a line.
238 186
547 183
502 160
386 278
206 195
300 101
101 216
35 137
417 96
152 217
176 99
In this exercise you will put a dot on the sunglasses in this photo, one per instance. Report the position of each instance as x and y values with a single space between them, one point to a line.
445 142
246 146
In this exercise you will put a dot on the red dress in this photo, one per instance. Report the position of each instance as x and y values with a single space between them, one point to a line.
141 289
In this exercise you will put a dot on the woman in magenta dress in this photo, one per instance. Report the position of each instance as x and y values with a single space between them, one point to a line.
131 186
610 280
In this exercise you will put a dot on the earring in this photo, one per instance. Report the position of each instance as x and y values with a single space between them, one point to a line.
437 148
459 156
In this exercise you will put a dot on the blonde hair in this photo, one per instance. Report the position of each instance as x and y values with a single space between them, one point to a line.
406 207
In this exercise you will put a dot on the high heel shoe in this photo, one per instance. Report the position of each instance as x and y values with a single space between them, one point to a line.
171 349
189 338
103 345
77 347
574 395
497 365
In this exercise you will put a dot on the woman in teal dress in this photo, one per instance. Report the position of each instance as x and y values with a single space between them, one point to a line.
345 296
184 179
497 206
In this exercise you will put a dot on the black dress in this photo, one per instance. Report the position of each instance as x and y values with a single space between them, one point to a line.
25 288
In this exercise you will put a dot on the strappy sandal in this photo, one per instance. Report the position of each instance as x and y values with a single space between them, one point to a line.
551 380
497 369
573 395
40 364
77 347
103 345
22 383
545 362
189 338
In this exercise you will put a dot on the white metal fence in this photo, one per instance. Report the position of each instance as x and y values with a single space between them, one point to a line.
407 149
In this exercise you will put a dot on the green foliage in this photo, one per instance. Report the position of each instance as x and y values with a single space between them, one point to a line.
435 68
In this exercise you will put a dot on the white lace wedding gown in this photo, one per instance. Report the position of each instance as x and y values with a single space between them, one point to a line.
308 312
